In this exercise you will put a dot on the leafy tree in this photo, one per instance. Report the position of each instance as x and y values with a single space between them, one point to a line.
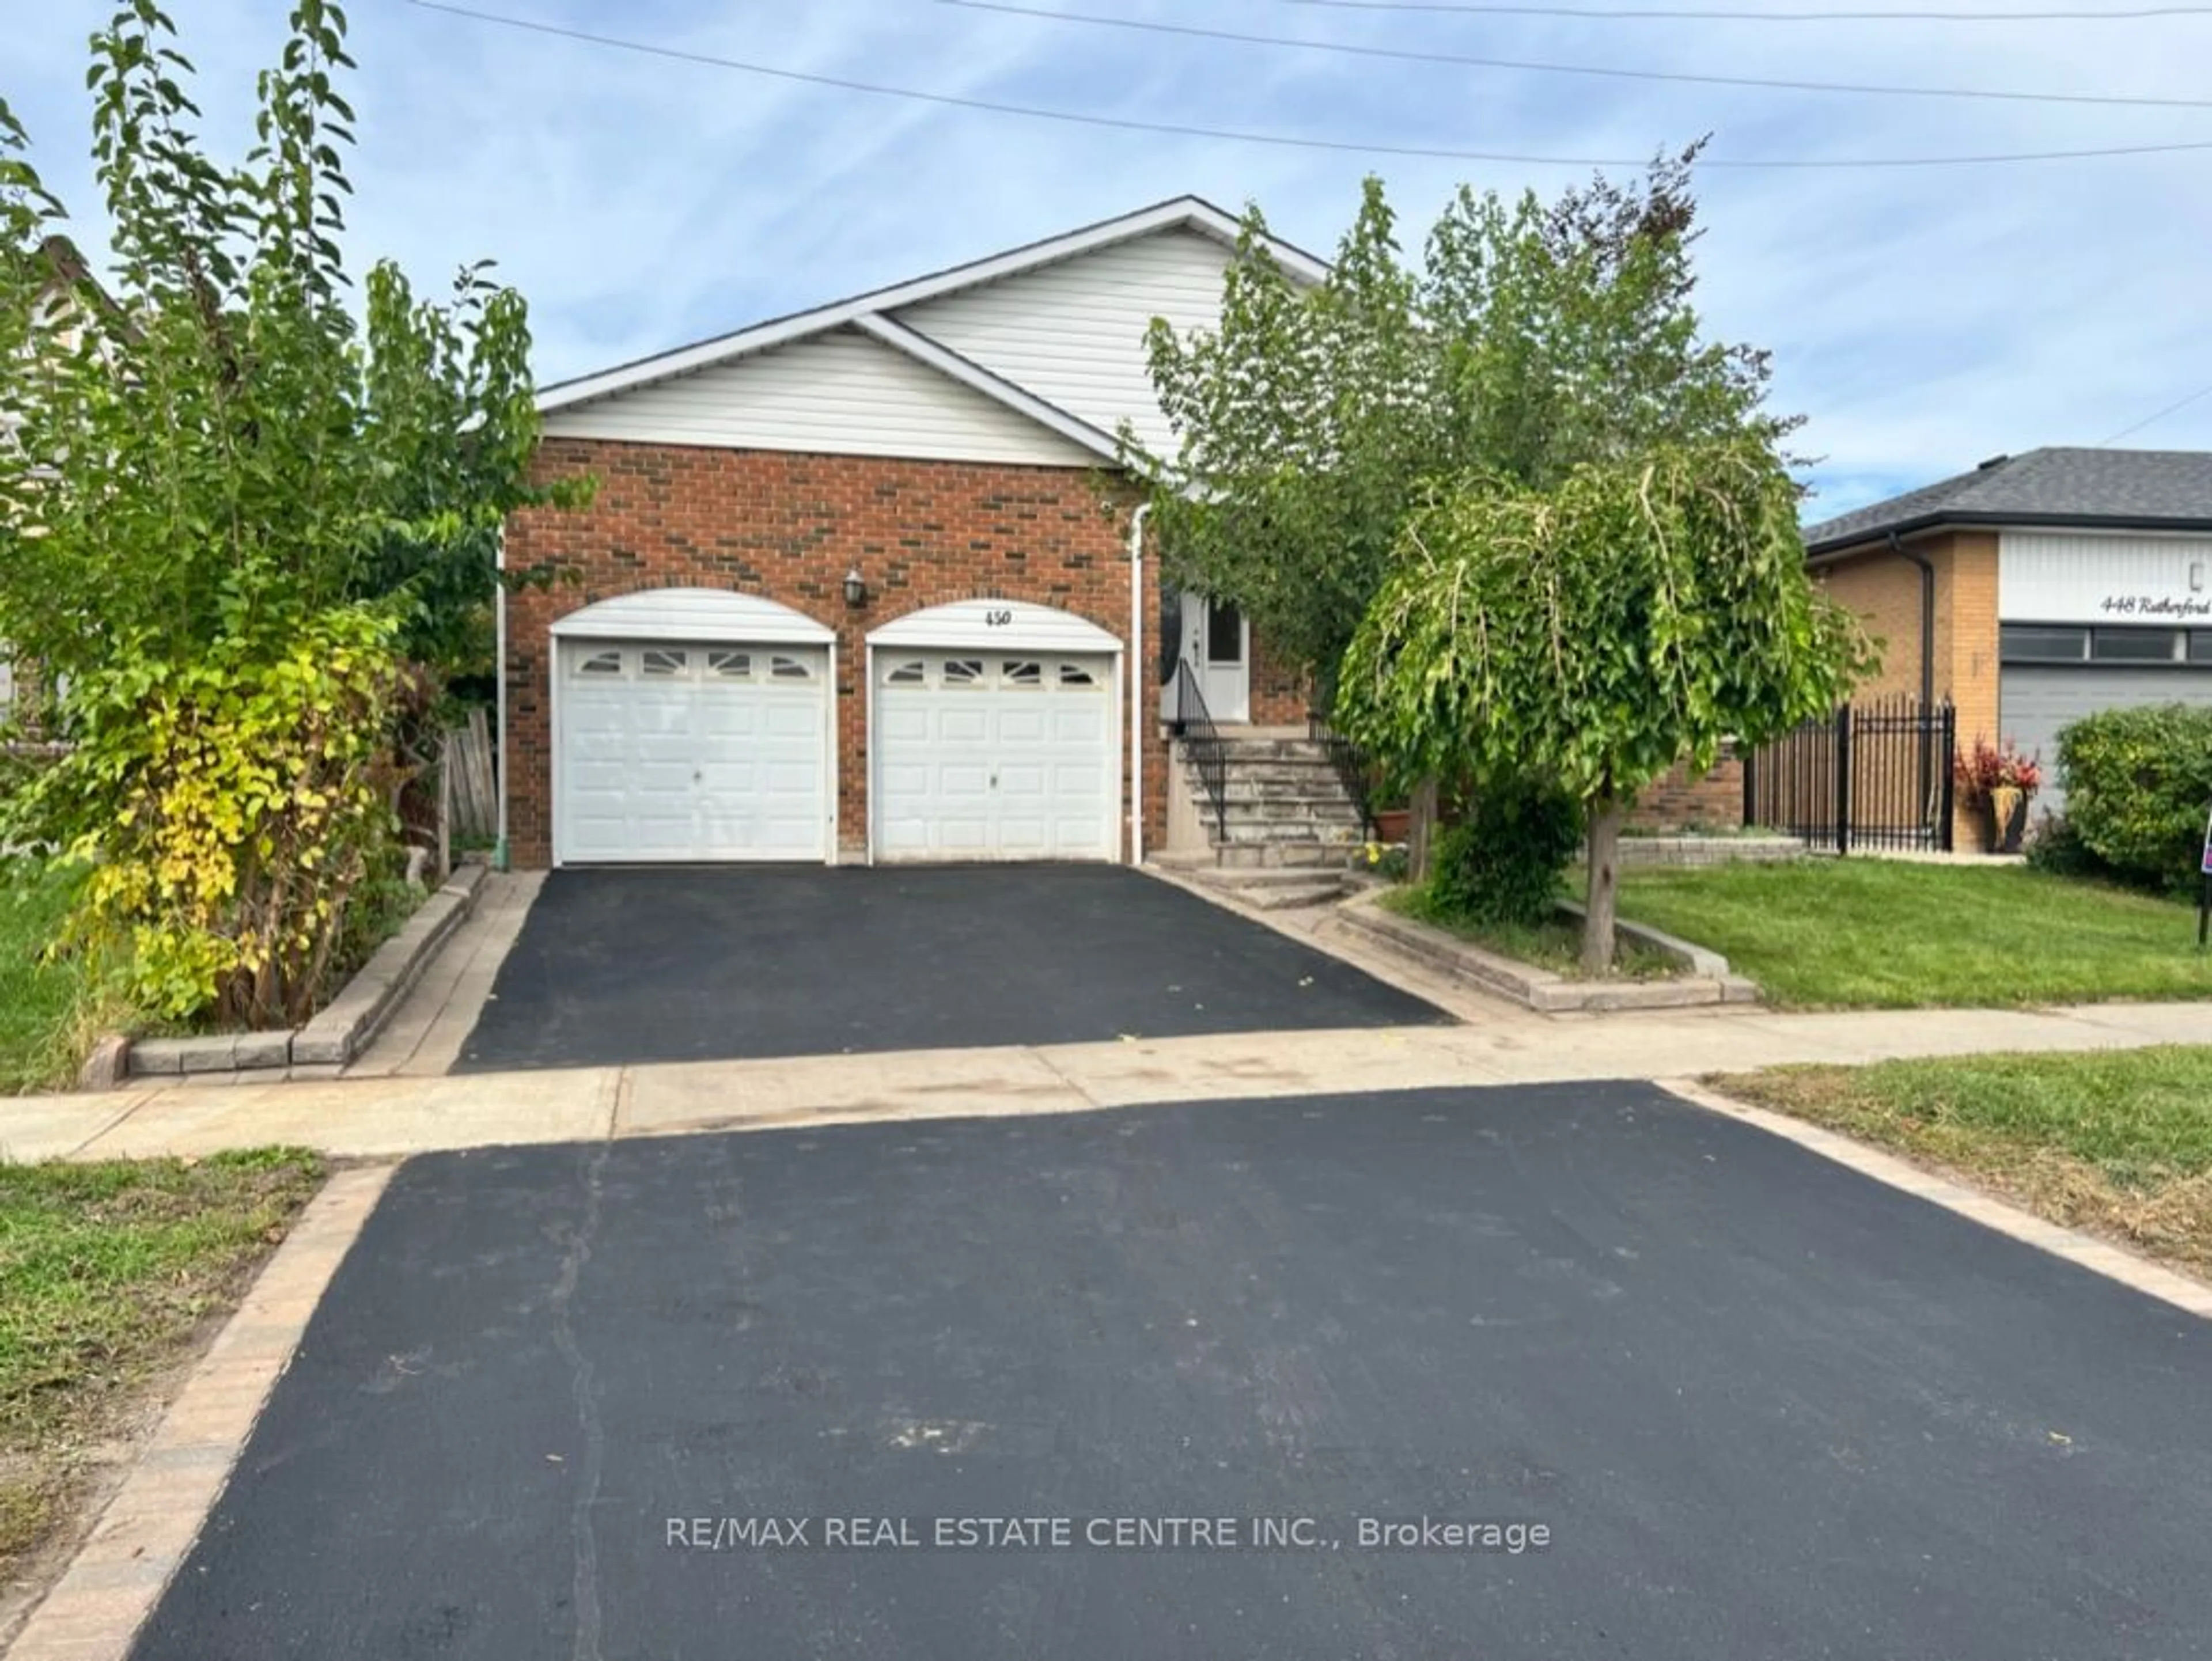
1304 424
1530 338
1596 634
230 509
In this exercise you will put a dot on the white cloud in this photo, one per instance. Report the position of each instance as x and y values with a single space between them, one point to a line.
1922 319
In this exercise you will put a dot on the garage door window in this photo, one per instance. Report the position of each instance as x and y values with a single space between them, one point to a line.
599 665
1014 674
730 665
2134 645
1074 675
2035 643
659 665
790 668
964 672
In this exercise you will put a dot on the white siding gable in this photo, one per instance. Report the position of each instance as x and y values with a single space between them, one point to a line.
840 393
1073 333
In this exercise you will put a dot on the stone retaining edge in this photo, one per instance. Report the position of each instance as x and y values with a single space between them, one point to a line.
342 1029
1709 982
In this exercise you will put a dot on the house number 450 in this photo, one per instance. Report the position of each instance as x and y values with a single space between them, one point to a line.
998 618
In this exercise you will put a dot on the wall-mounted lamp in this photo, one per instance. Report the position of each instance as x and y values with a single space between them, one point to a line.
2196 576
856 588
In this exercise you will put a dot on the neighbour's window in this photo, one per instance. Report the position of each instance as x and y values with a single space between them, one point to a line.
964 671
789 669
2200 646
2036 643
1014 673
2133 645
912 673
661 665
1074 675
730 665
600 662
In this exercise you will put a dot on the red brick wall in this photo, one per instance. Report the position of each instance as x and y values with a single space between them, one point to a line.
1682 801
788 526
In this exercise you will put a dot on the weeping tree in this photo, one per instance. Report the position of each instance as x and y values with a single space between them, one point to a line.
1596 633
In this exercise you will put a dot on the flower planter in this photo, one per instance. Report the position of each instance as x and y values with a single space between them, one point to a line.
1393 824
2005 819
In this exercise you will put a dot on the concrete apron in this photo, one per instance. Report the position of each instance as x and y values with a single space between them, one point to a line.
384 1117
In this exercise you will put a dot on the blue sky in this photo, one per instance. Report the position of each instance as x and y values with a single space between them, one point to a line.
1923 319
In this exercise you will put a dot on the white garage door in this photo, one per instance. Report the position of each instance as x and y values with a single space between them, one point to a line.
691 752
994 756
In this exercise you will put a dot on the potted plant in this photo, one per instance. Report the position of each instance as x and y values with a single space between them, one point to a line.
2000 781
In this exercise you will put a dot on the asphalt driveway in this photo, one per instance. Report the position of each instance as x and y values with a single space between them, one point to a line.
699 964
607 1400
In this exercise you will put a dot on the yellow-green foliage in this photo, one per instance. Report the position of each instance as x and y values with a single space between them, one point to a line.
246 795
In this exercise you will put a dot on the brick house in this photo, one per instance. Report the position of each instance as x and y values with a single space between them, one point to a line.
864 583
2034 589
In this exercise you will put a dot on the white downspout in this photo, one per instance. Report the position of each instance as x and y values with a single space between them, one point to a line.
1137 688
499 859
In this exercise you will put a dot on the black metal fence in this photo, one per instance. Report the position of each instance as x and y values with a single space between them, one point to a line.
1876 774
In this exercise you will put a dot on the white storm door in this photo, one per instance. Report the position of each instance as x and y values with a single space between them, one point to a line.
992 757
1216 642
683 751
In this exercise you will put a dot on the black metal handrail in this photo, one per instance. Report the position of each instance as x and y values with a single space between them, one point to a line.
1203 744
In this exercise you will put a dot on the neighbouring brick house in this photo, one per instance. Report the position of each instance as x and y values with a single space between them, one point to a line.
858 583
2034 589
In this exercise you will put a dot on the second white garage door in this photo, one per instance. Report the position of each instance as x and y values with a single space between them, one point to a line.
994 756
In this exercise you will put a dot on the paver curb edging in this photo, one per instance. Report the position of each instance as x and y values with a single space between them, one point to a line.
1710 981
92 1613
1688 853
342 1029
2099 1257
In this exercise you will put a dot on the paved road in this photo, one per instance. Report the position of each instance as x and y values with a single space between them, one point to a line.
1763 1406
622 967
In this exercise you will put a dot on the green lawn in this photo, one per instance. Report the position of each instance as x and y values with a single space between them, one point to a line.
1556 945
1861 933
108 1272
2120 1142
38 1001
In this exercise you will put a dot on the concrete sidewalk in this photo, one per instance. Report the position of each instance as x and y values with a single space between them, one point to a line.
400 1115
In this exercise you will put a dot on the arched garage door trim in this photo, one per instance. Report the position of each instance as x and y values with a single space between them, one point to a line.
1036 694
721 676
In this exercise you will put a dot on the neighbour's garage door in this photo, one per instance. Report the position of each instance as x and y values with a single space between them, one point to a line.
676 752
988 755
2037 701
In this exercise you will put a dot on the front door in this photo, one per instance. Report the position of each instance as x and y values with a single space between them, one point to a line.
1216 643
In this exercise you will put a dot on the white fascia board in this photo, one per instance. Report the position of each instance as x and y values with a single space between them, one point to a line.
968 372
1189 211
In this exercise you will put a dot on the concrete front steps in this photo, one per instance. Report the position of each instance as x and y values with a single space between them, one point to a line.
1290 829
1263 887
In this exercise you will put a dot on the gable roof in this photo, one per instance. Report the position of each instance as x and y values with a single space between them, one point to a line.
871 311
2123 489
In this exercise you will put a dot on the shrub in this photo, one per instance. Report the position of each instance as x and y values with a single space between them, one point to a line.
227 808
1503 863
2138 782
2058 850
